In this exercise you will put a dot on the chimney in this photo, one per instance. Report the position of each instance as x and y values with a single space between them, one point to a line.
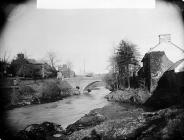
20 56
164 38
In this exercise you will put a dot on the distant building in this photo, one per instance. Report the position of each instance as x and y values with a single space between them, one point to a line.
60 75
25 67
66 71
38 68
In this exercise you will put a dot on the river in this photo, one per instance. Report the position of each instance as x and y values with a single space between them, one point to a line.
63 112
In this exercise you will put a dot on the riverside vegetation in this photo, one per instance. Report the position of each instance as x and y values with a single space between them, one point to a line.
40 91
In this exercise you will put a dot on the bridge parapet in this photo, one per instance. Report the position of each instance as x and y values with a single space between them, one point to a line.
82 82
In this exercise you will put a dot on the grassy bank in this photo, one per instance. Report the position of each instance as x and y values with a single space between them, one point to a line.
40 91
133 96
114 122
134 124
124 121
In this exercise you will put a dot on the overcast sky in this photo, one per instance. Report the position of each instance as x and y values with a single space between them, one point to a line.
88 36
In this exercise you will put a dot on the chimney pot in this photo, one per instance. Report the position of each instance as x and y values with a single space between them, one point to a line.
164 38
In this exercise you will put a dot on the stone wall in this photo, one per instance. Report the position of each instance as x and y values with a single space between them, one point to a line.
154 65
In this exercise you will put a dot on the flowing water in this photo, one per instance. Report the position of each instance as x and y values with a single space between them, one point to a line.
63 112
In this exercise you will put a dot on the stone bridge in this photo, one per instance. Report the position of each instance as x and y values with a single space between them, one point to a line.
83 82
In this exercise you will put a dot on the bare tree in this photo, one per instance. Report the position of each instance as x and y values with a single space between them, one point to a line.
69 64
5 57
52 59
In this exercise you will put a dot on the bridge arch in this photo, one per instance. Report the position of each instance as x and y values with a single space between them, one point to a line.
83 82
91 84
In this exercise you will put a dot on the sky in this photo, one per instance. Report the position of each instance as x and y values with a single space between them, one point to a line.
86 37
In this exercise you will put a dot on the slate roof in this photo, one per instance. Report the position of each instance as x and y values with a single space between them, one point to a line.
153 54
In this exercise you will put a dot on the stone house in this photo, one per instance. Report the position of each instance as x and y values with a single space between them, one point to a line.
170 88
159 59
66 71
154 65
31 68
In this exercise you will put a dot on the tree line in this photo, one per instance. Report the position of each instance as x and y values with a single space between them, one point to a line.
124 66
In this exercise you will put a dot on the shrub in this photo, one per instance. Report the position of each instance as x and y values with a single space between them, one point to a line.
66 88
9 97
50 90
55 89
142 95
26 90
110 81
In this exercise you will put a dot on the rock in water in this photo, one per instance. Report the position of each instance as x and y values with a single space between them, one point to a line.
57 135
39 131
89 120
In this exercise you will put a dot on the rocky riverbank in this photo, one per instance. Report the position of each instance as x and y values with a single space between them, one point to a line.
162 124
103 120
128 118
124 121
133 96
114 121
